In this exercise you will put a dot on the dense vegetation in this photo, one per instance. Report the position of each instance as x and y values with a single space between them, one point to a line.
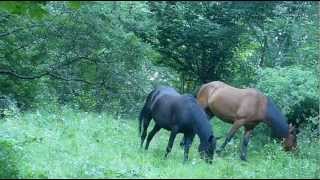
74 76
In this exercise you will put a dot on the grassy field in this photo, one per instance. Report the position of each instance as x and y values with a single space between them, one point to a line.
73 144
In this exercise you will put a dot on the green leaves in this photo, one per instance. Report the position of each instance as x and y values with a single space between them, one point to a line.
74 5
293 89
127 47
37 11
198 40
27 8
13 7
8 160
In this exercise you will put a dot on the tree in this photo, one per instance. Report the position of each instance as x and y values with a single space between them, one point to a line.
198 39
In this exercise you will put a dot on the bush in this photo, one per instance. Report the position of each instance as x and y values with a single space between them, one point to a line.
8 107
8 161
294 90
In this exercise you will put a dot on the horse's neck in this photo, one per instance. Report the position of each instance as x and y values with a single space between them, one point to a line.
276 120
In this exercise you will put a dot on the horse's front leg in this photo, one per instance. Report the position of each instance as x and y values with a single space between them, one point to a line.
244 146
187 144
236 125
182 141
171 140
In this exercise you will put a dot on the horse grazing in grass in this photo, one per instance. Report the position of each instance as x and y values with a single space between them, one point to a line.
178 114
245 107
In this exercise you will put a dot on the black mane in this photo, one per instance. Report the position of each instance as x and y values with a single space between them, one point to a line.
276 120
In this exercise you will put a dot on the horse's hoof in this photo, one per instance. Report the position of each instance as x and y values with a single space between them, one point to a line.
243 158
208 161
219 151
184 161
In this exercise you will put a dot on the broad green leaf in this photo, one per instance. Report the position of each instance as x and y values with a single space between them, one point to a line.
74 4
36 11
13 7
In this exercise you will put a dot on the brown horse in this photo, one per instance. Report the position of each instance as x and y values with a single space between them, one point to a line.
245 107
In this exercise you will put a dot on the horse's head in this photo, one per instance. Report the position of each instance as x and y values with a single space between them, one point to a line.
290 143
207 149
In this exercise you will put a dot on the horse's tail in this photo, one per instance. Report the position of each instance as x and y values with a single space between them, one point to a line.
203 95
142 117
145 110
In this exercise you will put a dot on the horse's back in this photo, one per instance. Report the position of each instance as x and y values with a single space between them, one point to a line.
161 91
230 103
181 105
207 90
172 109
167 90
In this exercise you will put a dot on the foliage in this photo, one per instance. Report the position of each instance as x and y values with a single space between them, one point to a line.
198 39
295 91
89 53
27 8
67 55
8 160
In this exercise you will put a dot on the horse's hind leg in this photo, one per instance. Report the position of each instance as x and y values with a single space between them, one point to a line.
171 140
245 142
155 129
236 125
144 131
209 113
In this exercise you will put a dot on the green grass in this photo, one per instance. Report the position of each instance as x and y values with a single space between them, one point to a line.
73 144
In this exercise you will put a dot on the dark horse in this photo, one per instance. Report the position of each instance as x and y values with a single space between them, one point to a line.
245 107
178 114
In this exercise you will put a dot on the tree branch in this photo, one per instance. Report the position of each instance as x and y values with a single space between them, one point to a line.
56 76
46 73
17 29
11 73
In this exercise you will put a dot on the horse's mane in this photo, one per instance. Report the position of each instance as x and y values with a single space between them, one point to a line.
190 95
277 120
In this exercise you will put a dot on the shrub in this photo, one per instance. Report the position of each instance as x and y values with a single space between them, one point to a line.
8 107
294 90
8 161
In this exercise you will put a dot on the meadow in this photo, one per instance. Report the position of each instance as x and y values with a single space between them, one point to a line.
66 143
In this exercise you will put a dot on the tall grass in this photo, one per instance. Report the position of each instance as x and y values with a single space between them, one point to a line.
65 143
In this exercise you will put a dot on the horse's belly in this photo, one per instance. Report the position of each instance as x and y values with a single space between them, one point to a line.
223 110
227 117
164 124
224 103
162 120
